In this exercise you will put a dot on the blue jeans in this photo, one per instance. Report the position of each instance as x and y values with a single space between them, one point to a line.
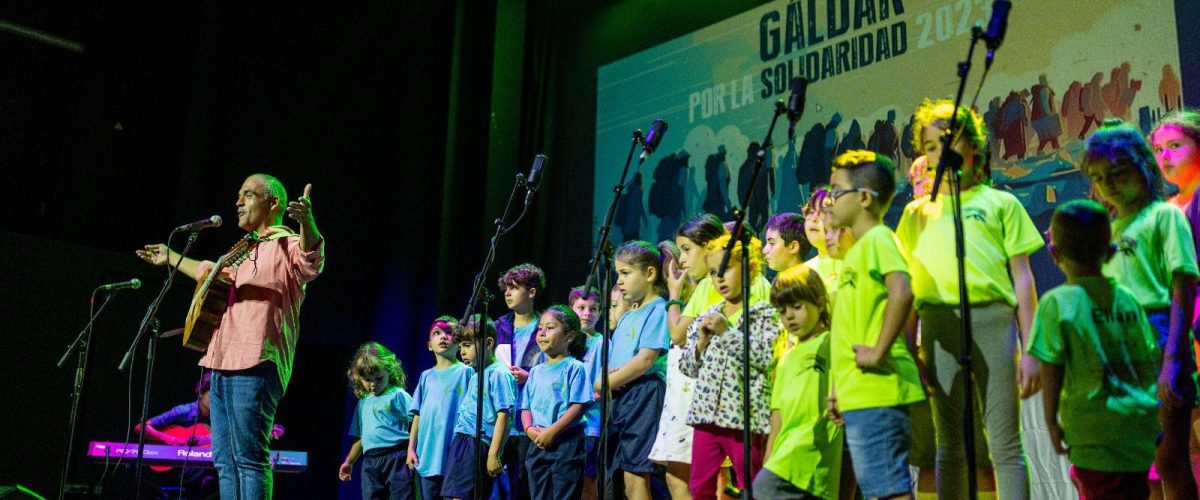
242 407
879 440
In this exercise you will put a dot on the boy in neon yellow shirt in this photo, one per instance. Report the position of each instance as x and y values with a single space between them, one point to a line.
1100 359
874 377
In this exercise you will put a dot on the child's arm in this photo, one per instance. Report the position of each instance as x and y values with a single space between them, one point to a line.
832 408
776 423
412 460
527 422
499 432
641 363
693 351
546 437
895 313
762 341
348 465
1178 364
1051 392
677 323
1028 381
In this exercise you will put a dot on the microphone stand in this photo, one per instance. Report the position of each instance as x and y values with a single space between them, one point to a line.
603 259
952 162
480 297
740 235
150 324
480 348
81 344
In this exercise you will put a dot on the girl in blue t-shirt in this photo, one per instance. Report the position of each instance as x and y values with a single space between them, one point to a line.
637 366
381 423
1156 260
556 395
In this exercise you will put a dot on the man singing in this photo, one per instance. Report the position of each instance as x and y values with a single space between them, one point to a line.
252 349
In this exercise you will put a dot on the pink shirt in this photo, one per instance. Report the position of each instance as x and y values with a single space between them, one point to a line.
262 321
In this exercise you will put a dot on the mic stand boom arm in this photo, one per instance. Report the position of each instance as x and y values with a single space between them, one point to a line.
601 254
740 235
480 297
150 324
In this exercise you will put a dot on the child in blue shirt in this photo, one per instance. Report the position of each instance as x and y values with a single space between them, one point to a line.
586 304
520 286
435 408
380 423
478 338
637 366
556 396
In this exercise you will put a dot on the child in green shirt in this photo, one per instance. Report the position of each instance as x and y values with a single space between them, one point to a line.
1100 360
1156 261
874 377
999 237
804 448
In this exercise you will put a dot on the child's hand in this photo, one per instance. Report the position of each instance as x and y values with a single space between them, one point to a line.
832 408
675 279
868 356
494 467
1029 376
1056 438
533 432
544 439
345 470
412 460
518 373
713 325
1173 385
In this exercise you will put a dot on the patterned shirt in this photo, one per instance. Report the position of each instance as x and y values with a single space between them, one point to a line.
718 372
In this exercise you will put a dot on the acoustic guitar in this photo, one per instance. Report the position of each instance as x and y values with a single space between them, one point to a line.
212 296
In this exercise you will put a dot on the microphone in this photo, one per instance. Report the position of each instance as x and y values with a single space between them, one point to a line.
653 138
214 221
997 25
132 284
795 104
539 162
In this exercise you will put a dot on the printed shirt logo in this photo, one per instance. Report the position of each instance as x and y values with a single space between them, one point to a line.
847 277
974 213
811 361
1100 315
1127 245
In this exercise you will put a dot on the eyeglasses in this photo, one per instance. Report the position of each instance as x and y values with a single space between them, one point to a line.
834 194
